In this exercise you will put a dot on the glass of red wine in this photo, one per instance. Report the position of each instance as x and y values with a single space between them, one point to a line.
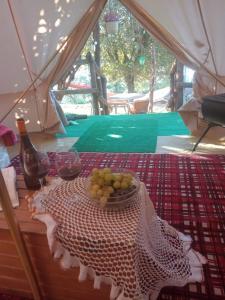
68 165
36 165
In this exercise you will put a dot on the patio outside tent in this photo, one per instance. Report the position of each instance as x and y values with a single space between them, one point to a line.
40 40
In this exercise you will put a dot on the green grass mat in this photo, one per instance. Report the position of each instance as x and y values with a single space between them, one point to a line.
168 123
77 128
119 135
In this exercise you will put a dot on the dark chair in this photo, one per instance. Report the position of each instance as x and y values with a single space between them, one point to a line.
213 111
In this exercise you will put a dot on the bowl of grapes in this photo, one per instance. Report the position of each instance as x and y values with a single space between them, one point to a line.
112 188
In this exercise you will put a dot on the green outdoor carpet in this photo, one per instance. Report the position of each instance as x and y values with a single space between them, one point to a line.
168 123
132 133
77 128
119 135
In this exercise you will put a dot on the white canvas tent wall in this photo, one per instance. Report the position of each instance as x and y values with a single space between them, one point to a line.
192 29
31 32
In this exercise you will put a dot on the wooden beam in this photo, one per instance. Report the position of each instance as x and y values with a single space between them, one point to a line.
179 89
94 85
76 92
96 38
18 239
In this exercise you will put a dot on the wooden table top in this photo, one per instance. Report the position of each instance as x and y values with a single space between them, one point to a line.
117 102
23 215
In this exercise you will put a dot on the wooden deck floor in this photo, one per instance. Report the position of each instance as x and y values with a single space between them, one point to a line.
165 144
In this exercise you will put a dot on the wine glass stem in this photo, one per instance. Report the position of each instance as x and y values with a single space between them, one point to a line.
42 183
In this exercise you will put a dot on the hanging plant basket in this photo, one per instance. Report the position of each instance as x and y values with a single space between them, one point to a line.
112 27
111 22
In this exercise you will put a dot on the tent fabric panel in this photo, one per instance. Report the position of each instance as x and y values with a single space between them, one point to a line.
213 12
42 25
182 19
46 112
27 109
32 108
13 75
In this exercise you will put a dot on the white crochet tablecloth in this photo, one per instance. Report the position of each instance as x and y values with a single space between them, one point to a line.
132 249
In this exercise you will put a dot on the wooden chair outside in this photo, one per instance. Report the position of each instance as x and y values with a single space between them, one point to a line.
115 104
139 106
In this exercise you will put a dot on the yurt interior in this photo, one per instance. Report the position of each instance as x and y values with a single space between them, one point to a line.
112 150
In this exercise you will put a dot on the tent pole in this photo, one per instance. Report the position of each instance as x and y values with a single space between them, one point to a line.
18 239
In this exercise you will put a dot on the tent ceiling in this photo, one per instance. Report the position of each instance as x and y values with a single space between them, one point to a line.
42 25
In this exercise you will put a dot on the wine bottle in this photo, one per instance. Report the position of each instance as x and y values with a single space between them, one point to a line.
27 149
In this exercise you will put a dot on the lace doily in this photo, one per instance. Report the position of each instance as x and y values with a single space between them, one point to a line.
132 249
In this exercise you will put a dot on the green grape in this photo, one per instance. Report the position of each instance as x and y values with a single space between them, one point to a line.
103 183
128 176
103 201
129 182
94 180
100 192
108 178
94 171
101 174
116 185
95 187
124 185
106 194
107 171
110 189
100 182
118 177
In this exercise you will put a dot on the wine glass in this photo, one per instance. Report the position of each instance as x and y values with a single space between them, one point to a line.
68 165
36 165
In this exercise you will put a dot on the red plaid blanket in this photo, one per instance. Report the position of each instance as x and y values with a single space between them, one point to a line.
188 192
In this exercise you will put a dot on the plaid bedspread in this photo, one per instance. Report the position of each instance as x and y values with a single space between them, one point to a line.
189 192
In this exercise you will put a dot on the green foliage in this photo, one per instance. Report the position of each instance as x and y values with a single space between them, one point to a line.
121 52
116 86
76 99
